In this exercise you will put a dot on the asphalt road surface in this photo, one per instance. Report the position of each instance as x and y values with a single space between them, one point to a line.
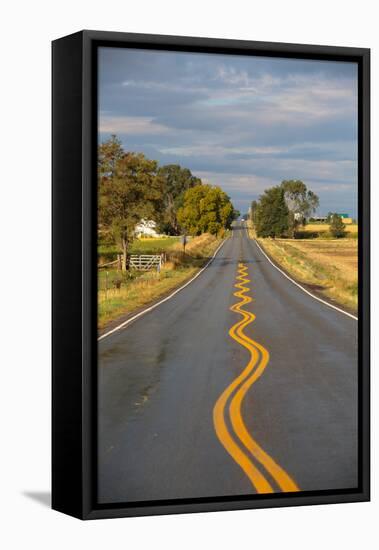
187 409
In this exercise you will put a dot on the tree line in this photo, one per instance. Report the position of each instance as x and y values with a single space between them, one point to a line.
282 209
132 187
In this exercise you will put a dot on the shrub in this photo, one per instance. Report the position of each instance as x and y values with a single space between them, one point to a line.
337 227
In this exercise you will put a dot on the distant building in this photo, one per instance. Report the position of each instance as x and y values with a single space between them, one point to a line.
323 219
146 228
319 218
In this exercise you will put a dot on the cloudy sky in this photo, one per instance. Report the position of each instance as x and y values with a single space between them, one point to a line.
244 123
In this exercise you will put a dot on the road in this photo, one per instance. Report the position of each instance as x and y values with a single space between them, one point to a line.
217 394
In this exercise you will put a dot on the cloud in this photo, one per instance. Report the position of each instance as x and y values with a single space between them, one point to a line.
247 122
129 125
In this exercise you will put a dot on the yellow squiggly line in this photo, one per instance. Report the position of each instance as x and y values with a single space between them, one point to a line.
259 358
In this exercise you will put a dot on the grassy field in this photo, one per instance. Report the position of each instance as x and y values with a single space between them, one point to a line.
137 288
350 228
315 230
330 266
108 253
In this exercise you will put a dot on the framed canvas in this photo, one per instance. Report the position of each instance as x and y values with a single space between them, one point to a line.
210 274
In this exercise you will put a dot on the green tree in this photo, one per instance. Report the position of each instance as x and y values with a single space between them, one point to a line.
337 228
130 189
206 209
271 215
177 181
301 203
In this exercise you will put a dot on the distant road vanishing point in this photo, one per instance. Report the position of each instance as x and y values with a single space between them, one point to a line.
239 384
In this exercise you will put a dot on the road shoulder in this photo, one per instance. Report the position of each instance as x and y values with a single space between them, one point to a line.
310 289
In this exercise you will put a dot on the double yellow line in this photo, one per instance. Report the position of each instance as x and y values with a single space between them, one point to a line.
241 445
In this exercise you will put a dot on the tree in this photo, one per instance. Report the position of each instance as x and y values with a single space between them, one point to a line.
177 181
271 215
330 216
110 152
253 210
130 189
206 209
337 227
301 203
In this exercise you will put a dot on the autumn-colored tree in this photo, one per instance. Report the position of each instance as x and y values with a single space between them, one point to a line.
110 152
130 189
206 209
177 181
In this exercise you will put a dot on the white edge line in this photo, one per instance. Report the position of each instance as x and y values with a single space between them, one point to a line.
128 321
302 288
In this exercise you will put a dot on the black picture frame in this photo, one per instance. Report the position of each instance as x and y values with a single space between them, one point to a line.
74 133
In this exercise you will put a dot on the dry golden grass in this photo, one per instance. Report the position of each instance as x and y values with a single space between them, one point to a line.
251 230
198 245
341 254
324 227
330 266
116 302
136 293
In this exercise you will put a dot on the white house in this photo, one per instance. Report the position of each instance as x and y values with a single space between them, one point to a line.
146 228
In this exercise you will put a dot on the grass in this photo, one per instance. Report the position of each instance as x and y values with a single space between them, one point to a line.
153 246
138 289
350 228
251 230
329 266
315 230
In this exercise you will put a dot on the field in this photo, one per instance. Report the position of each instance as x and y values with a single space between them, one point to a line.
329 267
314 230
108 253
351 228
120 294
